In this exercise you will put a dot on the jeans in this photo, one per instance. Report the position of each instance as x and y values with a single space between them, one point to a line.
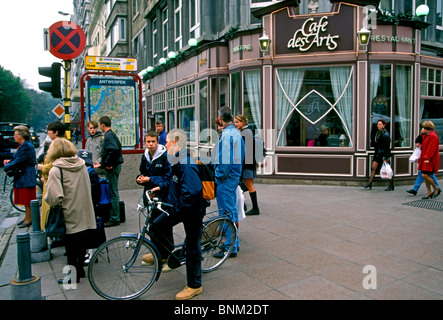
112 176
227 202
420 180
192 222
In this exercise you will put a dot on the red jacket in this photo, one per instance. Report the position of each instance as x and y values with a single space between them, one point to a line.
430 151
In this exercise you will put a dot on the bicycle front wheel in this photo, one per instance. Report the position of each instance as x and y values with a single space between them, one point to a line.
218 234
116 271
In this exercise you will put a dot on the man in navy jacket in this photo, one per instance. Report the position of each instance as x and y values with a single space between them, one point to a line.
185 194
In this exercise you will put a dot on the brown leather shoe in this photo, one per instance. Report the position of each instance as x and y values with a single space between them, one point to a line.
188 293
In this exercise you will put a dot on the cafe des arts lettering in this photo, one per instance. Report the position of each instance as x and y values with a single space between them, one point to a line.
326 32
313 34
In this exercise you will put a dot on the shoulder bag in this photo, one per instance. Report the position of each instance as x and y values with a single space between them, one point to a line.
55 225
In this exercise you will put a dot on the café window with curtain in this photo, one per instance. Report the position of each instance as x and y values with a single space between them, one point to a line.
246 97
314 106
186 109
391 100
431 98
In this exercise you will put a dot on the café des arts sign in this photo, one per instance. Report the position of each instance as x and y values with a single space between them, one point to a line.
324 32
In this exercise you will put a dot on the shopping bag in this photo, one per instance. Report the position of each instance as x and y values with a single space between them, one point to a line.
240 204
415 155
386 171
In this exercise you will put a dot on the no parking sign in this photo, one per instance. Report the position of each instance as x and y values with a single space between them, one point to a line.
66 40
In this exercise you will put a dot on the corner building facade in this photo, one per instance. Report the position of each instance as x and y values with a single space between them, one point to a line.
315 96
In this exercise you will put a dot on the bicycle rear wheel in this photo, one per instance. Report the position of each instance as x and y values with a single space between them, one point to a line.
19 207
116 272
217 233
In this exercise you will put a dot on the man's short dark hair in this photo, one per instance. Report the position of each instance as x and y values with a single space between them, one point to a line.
57 126
159 122
151 133
226 114
106 121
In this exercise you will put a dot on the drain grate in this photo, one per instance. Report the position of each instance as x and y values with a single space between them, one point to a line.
427 204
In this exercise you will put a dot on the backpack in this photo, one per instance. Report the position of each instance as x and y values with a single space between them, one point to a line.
105 197
105 194
260 150
206 171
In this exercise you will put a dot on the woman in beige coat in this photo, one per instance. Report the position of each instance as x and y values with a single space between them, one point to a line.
74 196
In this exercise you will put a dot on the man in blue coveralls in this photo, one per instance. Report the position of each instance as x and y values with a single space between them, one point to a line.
228 168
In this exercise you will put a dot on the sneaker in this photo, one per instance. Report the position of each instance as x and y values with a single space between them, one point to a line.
188 293
148 259
412 191
166 268
222 253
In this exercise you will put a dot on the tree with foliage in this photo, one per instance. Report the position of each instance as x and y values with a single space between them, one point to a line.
19 103
15 103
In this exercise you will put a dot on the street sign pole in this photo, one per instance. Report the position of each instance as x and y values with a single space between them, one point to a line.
67 98
66 41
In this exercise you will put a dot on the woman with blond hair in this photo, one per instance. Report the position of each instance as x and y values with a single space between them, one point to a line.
429 162
249 170
69 185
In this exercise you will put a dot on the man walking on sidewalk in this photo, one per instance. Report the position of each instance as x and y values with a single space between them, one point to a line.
111 161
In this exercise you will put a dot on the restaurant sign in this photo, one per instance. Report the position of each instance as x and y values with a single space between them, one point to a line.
314 33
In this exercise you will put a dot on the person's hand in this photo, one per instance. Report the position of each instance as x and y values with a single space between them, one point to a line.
96 165
39 166
426 161
6 161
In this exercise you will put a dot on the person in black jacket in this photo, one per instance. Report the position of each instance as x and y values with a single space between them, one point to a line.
111 161
382 148
23 159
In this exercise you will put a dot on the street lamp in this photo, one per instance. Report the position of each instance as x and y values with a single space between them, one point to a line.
264 42
363 36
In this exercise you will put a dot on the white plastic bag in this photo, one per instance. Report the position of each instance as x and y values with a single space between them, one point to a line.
415 155
240 204
386 171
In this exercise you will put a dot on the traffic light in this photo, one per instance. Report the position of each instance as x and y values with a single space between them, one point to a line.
53 86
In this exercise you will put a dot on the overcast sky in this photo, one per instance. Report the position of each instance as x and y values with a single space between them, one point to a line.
21 36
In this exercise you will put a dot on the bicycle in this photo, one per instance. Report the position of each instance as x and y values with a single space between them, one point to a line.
115 271
39 191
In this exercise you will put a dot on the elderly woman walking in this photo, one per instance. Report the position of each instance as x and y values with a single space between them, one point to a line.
24 183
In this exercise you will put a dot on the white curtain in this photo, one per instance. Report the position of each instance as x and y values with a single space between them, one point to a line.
288 90
341 79
375 80
252 82
403 97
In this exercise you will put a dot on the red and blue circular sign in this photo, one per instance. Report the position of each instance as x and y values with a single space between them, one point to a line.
66 40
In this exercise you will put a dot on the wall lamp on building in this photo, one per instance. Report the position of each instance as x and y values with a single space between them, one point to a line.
192 42
172 55
162 61
422 10
364 36
264 42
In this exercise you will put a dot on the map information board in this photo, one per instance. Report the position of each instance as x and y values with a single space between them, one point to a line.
115 97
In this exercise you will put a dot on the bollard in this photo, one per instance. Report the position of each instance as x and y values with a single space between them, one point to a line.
39 241
26 286
35 213
24 257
